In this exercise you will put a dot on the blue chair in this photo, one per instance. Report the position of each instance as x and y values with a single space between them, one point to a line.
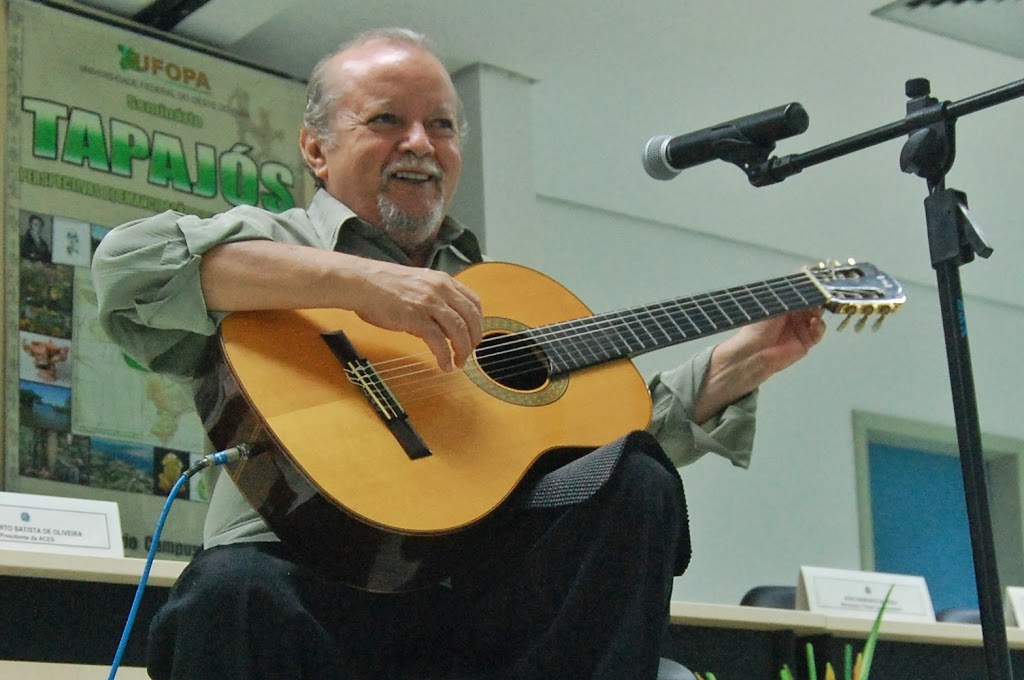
779 597
959 615
672 670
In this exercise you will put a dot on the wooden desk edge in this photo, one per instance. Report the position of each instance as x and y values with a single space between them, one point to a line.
87 568
30 670
747 618
808 623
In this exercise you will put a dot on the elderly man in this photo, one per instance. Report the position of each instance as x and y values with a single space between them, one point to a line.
579 588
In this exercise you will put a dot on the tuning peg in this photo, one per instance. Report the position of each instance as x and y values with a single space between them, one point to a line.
862 320
845 322
882 313
851 262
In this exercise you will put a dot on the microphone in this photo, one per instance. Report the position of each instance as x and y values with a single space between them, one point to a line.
736 141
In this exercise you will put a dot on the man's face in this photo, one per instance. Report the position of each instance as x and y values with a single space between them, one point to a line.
396 157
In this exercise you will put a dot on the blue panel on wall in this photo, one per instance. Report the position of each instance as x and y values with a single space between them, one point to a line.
919 517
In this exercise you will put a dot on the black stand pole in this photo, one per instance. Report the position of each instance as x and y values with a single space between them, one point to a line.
953 241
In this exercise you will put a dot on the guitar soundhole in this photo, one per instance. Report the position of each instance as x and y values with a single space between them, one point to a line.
513 360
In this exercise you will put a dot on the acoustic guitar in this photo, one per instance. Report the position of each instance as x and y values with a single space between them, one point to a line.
382 470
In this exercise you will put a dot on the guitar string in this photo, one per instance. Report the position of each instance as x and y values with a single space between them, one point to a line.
598 330
592 325
421 388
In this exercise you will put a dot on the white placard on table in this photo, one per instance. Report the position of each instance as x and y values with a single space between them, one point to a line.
56 524
1013 607
842 592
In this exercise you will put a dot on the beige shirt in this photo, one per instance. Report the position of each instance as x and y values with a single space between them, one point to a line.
146 274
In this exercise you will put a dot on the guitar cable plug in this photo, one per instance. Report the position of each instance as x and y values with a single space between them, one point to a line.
235 453
240 452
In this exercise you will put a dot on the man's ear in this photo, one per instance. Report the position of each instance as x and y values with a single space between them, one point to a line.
312 152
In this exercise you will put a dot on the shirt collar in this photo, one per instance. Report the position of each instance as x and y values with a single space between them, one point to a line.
330 216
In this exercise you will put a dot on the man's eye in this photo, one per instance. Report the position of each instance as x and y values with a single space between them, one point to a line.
445 124
384 119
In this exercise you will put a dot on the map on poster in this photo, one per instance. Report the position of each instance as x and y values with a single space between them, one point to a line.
112 127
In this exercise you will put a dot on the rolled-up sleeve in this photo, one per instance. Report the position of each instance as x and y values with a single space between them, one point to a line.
730 434
146 275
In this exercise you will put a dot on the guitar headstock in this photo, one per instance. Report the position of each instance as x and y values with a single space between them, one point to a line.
858 288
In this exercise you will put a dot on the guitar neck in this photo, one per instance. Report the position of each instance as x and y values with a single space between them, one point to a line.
594 340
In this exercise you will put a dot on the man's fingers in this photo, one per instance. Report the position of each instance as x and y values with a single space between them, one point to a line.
462 333
438 345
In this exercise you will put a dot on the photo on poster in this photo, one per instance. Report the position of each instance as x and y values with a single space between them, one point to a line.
46 298
45 359
52 455
45 407
72 242
36 232
120 466
168 466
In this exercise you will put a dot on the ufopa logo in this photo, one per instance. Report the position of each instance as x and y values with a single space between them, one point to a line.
133 60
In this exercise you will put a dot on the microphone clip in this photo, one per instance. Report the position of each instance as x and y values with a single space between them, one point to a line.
748 156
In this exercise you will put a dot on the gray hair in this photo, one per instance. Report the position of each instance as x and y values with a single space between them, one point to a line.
321 98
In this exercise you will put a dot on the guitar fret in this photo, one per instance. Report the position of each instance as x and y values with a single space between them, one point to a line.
769 301
618 342
639 323
775 294
621 341
760 312
607 336
556 347
683 316
721 315
671 329
680 334
586 343
732 299
700 308
796 291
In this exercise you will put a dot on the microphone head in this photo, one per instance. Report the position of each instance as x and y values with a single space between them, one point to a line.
656 160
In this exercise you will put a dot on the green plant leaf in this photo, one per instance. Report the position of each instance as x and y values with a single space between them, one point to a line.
812 672
869 646
785 673
848 662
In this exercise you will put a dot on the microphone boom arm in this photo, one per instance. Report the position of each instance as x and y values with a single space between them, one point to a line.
774 170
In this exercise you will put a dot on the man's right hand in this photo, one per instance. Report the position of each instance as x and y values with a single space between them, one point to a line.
431 305
428 304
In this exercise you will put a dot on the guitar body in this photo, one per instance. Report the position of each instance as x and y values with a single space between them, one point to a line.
333 481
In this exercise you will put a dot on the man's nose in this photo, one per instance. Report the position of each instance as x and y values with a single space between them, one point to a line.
417 140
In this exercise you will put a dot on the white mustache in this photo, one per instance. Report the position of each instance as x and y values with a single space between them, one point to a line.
427 166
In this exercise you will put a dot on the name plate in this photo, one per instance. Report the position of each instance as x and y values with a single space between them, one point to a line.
1013 606
841 592
60 525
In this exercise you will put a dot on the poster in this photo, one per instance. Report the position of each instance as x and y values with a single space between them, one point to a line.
103 126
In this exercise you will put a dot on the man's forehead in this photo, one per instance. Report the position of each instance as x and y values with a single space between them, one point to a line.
388 74
380 57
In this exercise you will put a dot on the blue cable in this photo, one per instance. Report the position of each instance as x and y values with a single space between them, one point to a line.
219 458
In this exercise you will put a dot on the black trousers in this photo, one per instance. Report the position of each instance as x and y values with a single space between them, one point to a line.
580 591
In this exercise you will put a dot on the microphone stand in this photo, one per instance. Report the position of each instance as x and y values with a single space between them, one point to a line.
953 240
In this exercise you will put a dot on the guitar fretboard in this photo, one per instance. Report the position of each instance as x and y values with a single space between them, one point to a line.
572 345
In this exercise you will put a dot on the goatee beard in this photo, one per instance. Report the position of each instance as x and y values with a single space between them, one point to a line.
407 230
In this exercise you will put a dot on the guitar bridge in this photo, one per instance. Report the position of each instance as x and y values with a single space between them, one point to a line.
363 375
